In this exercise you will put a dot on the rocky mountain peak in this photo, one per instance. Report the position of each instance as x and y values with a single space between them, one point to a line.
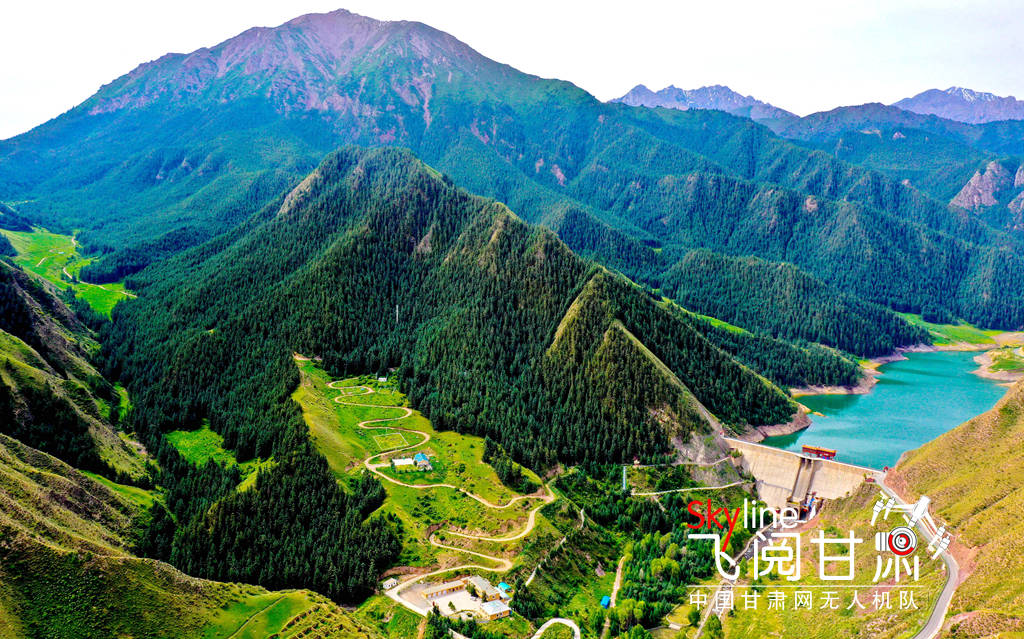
717 96
964 105
310 63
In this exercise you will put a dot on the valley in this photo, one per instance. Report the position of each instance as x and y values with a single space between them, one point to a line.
55 258
340 329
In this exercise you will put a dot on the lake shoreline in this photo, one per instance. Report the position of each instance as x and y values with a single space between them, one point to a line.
870 368
927 391
985 362
801 420
869 373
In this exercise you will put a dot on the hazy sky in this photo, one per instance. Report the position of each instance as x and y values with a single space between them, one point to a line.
804 56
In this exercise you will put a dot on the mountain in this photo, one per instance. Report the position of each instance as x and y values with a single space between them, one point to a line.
954 162
68 567
974 475
808 309
188 146
996 192
964 105
51 396
373 262
718 97
10 220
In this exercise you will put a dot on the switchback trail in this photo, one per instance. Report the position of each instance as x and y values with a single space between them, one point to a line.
547 497
551 622
503 565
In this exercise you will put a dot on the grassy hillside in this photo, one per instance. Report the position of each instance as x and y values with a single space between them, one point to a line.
56 259
949 334
50 395
837 519
67 570
333 416
974 475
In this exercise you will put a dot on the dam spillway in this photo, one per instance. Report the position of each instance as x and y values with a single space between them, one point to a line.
784 478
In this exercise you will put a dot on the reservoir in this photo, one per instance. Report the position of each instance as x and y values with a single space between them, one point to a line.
914 401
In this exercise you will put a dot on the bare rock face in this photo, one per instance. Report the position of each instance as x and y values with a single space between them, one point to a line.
717 97
1016 206
984 187
1019 181
964 105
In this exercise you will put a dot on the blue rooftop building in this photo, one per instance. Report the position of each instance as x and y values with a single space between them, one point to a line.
422 462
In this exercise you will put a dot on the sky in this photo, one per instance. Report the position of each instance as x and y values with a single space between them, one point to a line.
804 56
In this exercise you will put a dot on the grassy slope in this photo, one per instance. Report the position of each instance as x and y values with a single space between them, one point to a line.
49 255
1006 359
392 618
24 367
202 445
333 428
66 570
949 334
975 477
839 518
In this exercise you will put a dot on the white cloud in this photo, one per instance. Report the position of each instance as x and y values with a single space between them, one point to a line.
802 55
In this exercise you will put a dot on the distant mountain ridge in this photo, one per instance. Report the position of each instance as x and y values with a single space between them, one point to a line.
190 145
964 105
718 97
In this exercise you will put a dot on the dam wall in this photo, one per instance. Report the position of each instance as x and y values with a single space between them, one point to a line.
786 477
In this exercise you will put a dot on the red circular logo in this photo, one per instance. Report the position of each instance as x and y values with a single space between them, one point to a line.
902 541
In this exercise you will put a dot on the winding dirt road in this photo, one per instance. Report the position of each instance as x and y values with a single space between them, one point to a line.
503 565
547 497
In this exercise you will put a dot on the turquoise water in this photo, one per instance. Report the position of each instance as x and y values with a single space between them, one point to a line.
915 401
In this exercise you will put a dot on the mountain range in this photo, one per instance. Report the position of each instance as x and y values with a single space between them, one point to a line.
955 103
964 105
718 97
600 175
573 282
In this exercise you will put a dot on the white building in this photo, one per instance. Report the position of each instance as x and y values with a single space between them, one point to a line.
495 610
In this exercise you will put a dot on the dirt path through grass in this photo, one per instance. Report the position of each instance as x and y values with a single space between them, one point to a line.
503 565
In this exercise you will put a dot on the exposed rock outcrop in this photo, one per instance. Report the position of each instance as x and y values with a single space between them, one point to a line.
984 187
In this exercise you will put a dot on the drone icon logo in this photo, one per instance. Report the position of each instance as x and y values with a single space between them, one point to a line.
902 540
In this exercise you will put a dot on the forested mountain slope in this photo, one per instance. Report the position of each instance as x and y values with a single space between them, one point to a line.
805 308
974 475
602 175
375 261
51 397
934 154
67 567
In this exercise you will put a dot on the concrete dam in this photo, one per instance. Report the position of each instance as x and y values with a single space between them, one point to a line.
788 478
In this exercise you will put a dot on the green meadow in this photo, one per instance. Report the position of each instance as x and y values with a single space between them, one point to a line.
55 258
948 334
203 445
457 460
